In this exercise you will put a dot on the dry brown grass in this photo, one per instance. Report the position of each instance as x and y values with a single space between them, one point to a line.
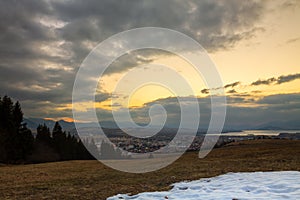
92 180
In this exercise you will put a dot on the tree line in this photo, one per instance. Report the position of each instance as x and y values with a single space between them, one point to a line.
18 144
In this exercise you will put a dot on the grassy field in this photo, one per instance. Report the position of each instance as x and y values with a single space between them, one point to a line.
92 180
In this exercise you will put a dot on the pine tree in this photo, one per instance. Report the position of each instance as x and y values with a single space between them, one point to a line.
59 140
6 114
57 130
17 115
43 135
25 141
17 143
16 140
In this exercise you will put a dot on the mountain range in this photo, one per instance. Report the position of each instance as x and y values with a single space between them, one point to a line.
32 123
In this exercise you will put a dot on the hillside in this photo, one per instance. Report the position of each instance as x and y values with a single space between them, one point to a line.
92 180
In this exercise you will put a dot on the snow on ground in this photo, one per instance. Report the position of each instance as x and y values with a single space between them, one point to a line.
255 185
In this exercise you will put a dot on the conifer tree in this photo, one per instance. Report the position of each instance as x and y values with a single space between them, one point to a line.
16 140
43 135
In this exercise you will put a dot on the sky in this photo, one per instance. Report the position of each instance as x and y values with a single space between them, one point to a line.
254 45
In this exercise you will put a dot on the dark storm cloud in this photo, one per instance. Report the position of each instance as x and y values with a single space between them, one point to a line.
287 78
293 40
241 111
290 4
274 110
101 96
25 67
283 99
42 43
279 80
205 91
264 82
274 80
20 29
232 91
215 24
134 58
230 85
45 108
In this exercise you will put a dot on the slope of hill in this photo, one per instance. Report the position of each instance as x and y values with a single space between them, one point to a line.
93 180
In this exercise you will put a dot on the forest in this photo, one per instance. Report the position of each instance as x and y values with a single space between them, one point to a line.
19 145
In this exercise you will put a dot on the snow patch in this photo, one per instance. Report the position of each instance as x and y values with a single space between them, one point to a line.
255 185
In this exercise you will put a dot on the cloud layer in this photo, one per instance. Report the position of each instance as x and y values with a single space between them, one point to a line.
43 43
242 111
278 80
